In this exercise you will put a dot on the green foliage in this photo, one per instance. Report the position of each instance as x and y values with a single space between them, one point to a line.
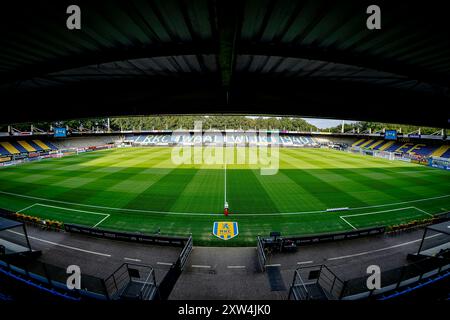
210 122
379 126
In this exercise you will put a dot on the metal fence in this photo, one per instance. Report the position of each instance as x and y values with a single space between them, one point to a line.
319 282
55 277
132 281
261 254
316 283
168 282
395 278
186 252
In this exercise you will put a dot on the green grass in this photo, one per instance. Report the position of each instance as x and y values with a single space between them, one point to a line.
141 189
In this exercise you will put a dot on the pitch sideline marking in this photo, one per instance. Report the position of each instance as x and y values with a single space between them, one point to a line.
215 214
69 209
225 182
376 212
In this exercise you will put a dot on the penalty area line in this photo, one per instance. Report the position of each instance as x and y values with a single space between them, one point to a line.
29 207
106 215
377 212
345 220
427 213
98 223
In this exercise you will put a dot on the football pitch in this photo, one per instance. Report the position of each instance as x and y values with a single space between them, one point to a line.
142 190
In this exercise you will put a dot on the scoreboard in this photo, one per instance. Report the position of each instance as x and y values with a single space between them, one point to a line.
390 135
60 132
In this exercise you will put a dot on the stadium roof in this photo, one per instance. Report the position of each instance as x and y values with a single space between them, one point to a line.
309 58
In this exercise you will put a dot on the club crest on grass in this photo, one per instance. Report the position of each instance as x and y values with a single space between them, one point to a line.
225 230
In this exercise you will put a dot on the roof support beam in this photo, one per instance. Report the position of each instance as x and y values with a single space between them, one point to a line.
336 56
118 54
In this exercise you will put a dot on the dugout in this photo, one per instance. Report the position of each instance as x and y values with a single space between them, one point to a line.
436 240
13 238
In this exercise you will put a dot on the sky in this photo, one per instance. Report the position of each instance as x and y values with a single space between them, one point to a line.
325 123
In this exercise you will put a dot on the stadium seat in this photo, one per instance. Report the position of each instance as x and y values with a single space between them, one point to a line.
26 146
439 152
51 146
446 154
9 147
365 144
385 146
357 143
19 147
42 145
3 151
375 144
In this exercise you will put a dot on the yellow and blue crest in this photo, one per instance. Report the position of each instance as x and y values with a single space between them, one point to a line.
225 230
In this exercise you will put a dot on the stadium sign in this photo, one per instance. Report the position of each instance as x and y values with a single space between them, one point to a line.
5 159
390 135
60 132
225 230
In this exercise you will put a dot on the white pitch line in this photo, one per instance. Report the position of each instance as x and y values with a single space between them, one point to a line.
225 183
381 249
164 263
375 212
62 245
70 209
424 212
345 220
236 267
419 171
29 207
77 210
305 262
95 226
215 214
273 265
